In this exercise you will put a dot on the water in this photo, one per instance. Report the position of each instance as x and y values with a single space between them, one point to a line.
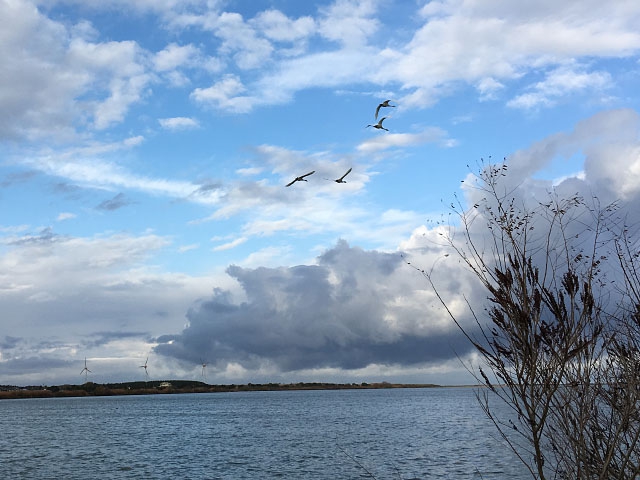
404 434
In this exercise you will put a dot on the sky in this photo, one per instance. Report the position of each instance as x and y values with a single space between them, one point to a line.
145 149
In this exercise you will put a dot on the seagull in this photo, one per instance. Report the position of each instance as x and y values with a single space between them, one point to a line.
300 178
85 370
383 104
341 179
379 125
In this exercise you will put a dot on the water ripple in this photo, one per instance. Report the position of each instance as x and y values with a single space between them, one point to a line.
412 434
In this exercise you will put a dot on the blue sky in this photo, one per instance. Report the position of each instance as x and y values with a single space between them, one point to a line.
145 147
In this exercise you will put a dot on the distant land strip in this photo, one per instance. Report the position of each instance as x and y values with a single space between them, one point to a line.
182 386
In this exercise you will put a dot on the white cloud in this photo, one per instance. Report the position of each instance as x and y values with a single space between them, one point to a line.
224 95
31 44
174 56
249 171
118 72
608 141
241 41
270 256
83 80
389 140
488 88
65 216
349 22
458 42
230 245
559 83
276 26
474 41
187 248
102 174
178 123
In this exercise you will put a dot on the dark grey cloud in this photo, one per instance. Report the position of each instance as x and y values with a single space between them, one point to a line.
43 237
99 339
207 187
9 342
118 201
342 312
35 364
69 191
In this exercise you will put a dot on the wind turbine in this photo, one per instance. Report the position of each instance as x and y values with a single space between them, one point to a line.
145 367
85 370
204 365
300 178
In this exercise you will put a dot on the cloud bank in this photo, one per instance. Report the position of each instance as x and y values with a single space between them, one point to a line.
353 308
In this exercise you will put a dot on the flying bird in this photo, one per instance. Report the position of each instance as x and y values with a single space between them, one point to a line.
341 179
382 105
85 370
300 178
379 125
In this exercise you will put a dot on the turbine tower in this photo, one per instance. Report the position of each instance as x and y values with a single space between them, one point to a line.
85 370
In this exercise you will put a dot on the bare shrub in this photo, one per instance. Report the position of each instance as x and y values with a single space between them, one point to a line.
559 332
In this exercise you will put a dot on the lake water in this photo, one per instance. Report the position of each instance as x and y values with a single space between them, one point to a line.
394 434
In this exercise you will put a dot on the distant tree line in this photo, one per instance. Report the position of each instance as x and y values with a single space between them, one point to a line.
182 386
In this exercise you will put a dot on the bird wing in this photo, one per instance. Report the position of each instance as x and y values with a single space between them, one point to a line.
381 120
291 182
378 109
307 174
348 172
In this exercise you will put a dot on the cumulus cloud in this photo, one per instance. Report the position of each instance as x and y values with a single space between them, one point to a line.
173 62
265 59
466 42
276 26
174 56
476 53
109 76
353 308
118 73
349 22
224 94
609 142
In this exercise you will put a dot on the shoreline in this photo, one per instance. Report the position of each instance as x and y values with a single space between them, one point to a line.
155 387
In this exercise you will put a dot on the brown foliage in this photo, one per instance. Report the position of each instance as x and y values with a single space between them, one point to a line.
559 341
